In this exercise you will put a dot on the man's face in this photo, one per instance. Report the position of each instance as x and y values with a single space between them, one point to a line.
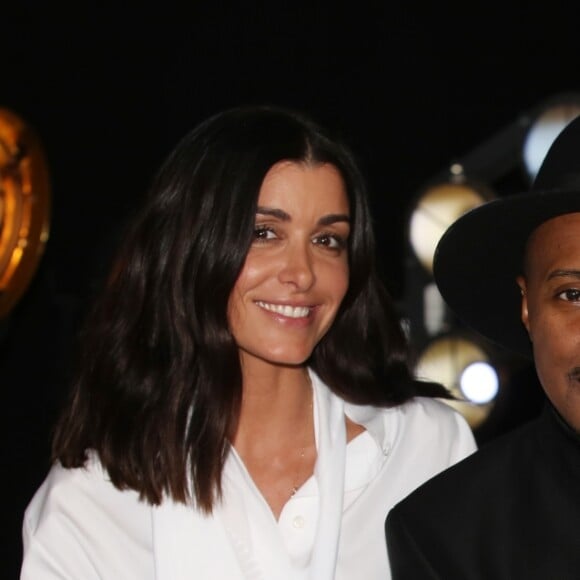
551 310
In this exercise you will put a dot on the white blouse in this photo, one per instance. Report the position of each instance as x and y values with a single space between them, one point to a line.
79 526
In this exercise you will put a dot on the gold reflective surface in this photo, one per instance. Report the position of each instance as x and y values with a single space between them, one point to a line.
435 211
24 207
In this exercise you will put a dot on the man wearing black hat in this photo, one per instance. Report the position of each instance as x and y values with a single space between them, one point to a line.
510 269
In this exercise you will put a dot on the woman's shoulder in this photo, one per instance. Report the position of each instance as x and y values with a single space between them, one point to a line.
419 424
432 417
69 491
75 479
79 525
431 411
435 425
428 413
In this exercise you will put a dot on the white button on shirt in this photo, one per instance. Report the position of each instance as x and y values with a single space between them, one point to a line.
78 525
299 522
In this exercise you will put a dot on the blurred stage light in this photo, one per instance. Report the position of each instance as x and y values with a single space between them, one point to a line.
437 208
24 207
479 382
544 127
463 366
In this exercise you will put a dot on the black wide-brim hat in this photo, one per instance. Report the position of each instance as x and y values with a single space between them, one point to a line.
478 258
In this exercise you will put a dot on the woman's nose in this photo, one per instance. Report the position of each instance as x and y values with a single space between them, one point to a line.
297 267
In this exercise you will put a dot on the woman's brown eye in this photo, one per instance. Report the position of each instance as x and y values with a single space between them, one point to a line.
263 233
332 241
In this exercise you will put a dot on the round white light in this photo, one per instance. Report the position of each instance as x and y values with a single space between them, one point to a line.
479 382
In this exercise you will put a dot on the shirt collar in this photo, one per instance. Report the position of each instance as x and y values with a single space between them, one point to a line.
371 418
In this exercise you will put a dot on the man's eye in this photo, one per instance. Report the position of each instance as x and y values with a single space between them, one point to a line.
570 295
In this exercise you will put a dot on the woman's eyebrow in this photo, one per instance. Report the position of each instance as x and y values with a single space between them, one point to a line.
283 216
277 213
332 218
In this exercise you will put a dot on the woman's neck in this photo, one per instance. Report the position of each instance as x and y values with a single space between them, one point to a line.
274 401
275 436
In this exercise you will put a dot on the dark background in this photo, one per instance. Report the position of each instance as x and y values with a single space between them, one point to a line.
411 87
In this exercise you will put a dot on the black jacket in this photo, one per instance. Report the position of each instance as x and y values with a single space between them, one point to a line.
509 511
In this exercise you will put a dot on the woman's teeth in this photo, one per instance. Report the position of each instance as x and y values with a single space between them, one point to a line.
285 310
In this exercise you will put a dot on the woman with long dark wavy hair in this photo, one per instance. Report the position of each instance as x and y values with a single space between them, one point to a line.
244 406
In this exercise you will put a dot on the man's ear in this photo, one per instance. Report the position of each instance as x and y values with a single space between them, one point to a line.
521 281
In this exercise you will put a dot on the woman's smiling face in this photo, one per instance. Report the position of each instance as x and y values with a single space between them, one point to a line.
296 272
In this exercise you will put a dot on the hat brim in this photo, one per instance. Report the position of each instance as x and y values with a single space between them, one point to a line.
477 260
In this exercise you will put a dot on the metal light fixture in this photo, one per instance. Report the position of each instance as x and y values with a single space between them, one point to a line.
438 207
24 207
